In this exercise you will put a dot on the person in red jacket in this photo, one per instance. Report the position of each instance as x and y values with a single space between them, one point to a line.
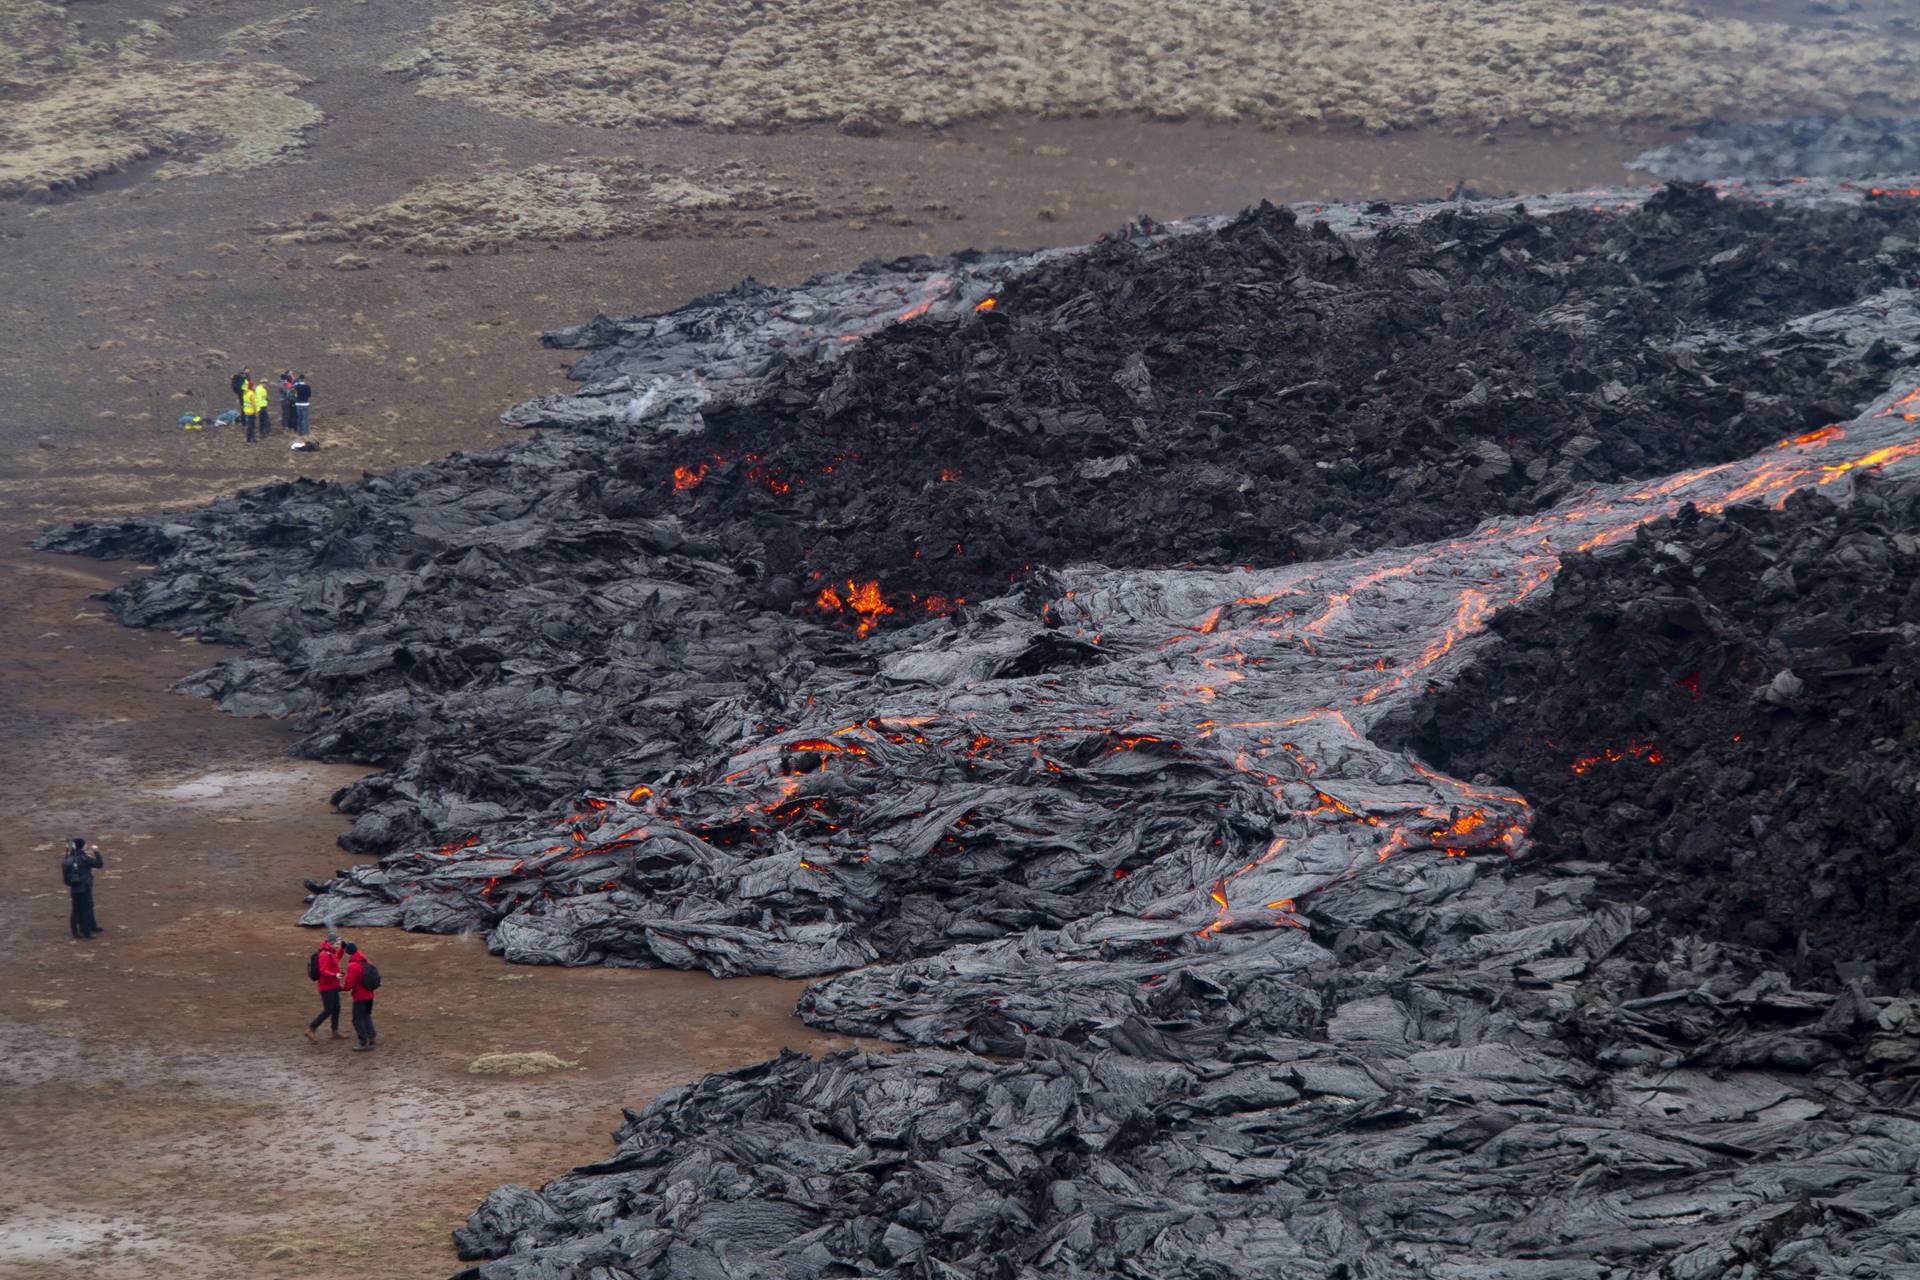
362 998
327 961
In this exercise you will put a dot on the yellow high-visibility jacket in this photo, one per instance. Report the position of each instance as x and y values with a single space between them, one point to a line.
256 397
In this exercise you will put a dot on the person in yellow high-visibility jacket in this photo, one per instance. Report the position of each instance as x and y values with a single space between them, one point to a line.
262 396
254 398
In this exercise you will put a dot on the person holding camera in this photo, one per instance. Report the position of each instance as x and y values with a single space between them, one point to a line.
77 870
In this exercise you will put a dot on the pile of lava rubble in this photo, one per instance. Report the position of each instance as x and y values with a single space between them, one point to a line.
1759 675
1273 392
1344 742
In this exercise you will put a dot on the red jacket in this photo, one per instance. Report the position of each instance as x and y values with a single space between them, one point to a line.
329 962
351 981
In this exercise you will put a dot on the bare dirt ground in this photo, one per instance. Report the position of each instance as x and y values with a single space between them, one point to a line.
160 1111
160 1115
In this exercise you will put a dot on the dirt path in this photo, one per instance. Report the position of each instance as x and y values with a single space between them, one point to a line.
161 1113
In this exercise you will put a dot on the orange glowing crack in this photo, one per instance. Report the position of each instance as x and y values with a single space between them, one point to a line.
822 745
1613 755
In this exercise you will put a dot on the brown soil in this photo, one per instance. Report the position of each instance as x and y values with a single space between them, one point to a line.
160 1113
160 1110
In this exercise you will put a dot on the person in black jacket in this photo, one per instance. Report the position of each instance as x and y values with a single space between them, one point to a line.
77 870
239 384
286 401
302 401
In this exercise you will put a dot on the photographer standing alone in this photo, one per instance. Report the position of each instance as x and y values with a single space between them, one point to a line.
77 870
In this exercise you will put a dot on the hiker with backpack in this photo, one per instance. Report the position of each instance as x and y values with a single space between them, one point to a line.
323 968
361 980
77 870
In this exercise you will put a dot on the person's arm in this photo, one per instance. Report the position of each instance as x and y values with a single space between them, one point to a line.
97 859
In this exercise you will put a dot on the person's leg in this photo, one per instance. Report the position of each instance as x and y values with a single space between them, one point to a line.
333 1012
88 924
363 1022
329 1003
75 915
248 419
373 1036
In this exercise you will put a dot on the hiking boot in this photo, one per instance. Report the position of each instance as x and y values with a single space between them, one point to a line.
361 1048
337 1036
312 1038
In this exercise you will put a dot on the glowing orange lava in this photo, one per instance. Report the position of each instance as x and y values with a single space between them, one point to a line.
685 478
862 599
1612 755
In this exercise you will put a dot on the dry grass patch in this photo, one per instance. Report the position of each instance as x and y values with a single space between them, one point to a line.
75 106
1387 64
518 1064
586 199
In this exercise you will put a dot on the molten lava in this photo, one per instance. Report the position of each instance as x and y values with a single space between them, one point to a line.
863 600
685 478
1612 755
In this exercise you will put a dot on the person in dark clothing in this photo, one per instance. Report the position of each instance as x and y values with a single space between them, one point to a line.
287 422
327 961
362 998
302 401
77 870
241 381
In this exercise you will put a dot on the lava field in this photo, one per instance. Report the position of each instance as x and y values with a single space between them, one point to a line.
1348 741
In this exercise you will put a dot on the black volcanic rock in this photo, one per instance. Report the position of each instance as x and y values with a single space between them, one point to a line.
1266 393
1727 715
1807 146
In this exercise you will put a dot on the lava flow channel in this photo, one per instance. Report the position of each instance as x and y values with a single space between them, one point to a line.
1212 777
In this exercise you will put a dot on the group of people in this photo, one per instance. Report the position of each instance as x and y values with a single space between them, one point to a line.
341 966
296 403
337 966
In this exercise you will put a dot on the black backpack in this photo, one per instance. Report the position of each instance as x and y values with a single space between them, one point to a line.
73 871
238 381
369 977
313 967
